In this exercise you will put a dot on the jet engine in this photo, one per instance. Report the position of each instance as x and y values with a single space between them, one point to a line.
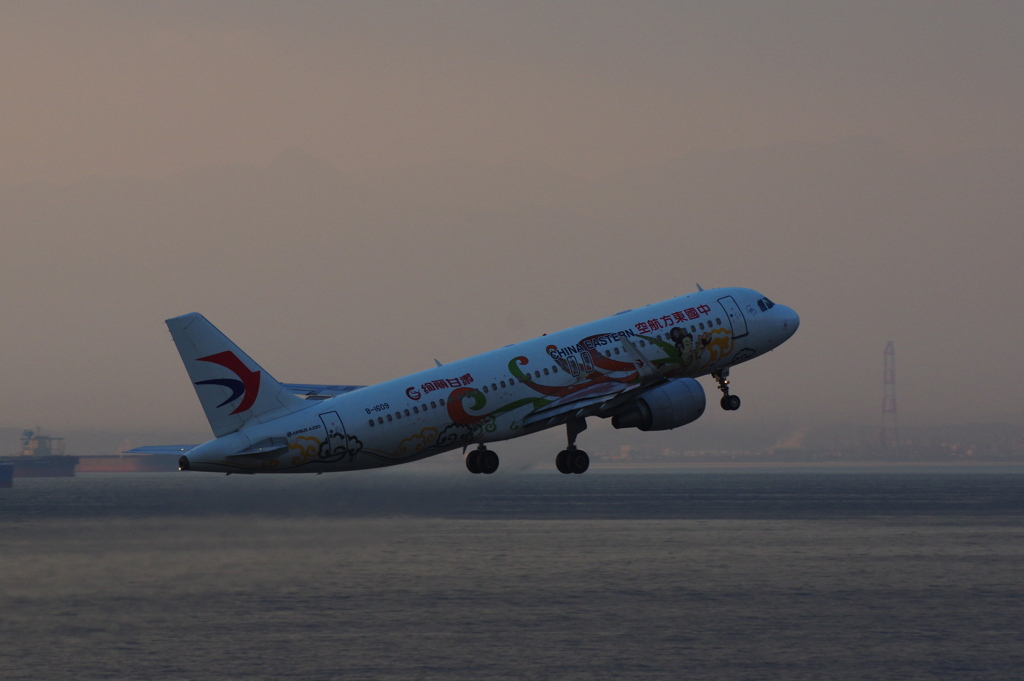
668 406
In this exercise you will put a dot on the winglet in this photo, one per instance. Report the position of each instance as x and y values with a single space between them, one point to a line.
644 367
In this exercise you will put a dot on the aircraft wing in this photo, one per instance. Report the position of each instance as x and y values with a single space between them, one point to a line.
314 391
161 449
586 402
601 396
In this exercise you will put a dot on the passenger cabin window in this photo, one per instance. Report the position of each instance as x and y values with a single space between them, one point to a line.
503 384
389 418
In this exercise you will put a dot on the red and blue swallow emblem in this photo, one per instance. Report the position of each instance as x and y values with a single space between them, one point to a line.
247 385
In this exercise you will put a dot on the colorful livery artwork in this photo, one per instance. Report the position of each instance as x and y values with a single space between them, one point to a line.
637 368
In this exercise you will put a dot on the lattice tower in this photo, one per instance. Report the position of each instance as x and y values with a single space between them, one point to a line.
889 437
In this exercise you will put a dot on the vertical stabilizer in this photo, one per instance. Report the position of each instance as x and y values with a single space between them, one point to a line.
232 388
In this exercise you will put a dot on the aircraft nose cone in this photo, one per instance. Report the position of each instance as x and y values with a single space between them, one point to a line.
790 320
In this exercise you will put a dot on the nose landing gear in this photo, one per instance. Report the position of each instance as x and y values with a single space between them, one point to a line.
728 402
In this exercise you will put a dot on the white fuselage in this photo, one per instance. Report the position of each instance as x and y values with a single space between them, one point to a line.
499 395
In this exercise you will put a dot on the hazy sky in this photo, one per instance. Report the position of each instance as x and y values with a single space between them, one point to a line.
350 190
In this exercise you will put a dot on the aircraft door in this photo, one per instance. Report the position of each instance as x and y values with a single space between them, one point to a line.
336 442
736 318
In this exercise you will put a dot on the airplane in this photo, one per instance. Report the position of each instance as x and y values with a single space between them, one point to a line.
637 367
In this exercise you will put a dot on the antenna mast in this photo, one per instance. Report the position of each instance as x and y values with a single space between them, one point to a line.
889 437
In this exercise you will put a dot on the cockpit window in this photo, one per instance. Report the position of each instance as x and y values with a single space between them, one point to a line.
769 303
760 304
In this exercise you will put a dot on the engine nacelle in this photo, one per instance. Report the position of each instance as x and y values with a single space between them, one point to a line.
669 406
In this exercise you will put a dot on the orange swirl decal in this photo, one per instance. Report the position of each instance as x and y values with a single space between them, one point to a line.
457 411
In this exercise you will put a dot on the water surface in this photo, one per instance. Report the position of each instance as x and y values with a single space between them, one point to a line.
716 574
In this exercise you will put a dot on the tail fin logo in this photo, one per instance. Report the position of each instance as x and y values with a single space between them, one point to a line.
248 386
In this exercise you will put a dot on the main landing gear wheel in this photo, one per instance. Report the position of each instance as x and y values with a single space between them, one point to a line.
562 462
488 461
482 460
579 462
729 402
571 461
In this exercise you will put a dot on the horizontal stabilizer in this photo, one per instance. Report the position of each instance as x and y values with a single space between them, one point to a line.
265 449
162 449
314 391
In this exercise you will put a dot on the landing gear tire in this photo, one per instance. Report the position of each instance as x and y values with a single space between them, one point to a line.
571 461
487 461
579 462
473 461
562 462
729 402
